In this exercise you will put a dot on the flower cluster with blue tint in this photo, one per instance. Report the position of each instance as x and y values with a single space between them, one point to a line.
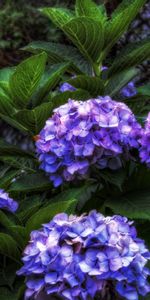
87 256
145 143
129 90
80 134
6 202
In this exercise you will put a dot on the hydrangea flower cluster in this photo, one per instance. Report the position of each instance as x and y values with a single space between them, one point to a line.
87 256
145 143
6 202
81 134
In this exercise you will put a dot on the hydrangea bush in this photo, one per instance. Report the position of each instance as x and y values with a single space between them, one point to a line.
91 156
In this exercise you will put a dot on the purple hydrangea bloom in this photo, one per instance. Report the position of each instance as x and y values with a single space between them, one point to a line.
6 202
81 134
87 256
145 143
129 90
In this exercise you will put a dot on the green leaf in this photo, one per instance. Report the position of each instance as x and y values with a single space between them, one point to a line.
94 85
75 95
20 235
119 80
89 9
5 73
116 177
34 119
6 103
14 123
144 90
58 53
124 4
9 149
59 16
4 220
130 57
82 194
30 183
18 162
115 28
7 178
26 78
45 214
8 247
134 205
85 33
29 206
49 81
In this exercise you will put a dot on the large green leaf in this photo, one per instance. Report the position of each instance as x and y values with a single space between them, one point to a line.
119 80
8 247
135 205
90 9
94 85
34 119
58 53
120 22
26 78
45 214
131 56
49 81
6 103
85 33
30 183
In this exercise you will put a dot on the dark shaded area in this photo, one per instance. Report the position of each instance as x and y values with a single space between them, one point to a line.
21 23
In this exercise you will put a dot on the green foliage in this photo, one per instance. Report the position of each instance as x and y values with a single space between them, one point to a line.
89 9
93 85
8 247
47 213
29 93
26 78
85 33
119 80
58 53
